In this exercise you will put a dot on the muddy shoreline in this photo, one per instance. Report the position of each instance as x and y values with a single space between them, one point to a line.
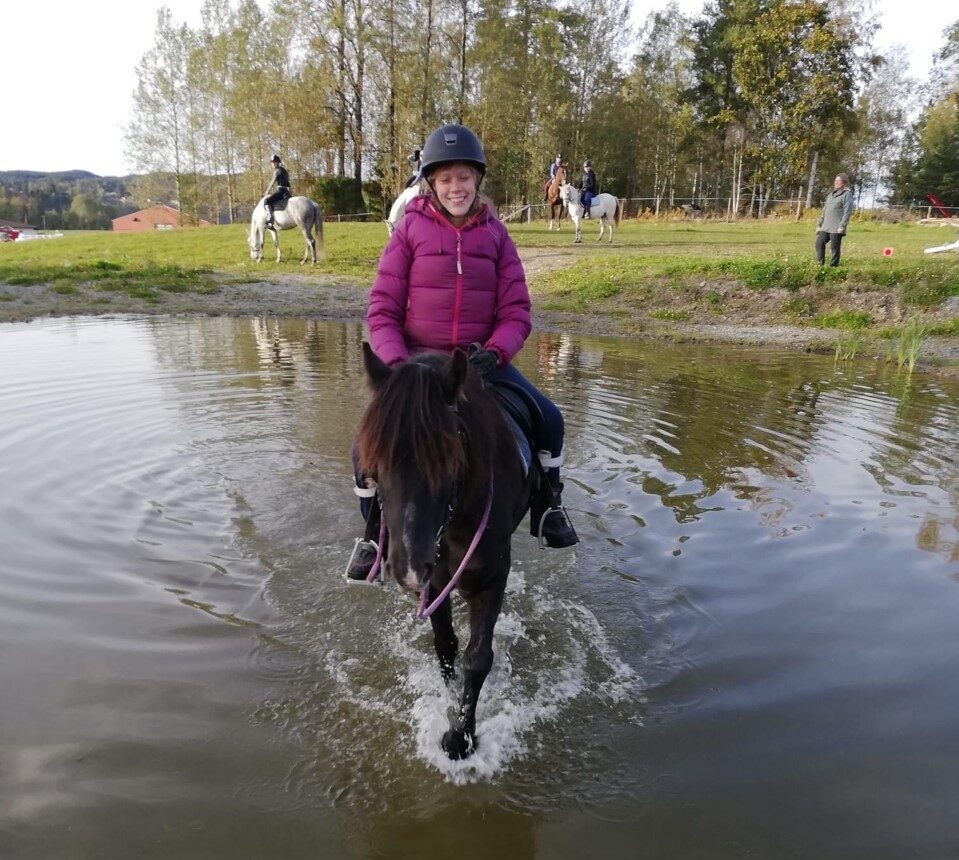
335 298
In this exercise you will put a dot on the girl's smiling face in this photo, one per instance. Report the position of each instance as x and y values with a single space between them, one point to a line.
455 187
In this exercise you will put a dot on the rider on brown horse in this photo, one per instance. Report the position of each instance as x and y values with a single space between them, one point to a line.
557 163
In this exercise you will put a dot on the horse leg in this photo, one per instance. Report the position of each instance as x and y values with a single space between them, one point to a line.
444 639
307 244
460 739
276 243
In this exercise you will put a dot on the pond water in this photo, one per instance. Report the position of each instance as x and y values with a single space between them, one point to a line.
752 653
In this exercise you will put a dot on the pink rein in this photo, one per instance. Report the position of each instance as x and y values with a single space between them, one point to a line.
423 611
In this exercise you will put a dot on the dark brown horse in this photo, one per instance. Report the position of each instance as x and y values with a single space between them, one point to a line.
445 461
557 209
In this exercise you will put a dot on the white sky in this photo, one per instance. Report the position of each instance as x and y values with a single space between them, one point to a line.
69 70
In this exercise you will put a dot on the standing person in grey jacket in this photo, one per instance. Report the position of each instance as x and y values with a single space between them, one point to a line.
834 219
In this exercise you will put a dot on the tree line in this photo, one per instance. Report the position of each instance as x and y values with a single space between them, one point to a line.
929 158
749 103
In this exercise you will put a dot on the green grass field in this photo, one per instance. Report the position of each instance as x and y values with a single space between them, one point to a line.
645 255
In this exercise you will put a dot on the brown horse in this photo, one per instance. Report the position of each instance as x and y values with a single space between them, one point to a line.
557 209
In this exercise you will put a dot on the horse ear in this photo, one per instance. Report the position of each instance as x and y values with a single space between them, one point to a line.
376 371
455 375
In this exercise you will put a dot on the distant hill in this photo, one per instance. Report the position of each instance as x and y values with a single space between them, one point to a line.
16 177
61 175
64 199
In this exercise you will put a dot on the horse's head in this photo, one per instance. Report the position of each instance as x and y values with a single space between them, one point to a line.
410 444
255 238
256 245
569 193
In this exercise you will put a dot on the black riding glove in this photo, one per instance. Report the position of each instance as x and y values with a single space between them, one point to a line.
484 361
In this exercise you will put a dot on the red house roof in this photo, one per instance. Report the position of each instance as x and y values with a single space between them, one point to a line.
159 217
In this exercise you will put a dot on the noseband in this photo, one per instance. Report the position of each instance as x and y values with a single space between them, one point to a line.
423 611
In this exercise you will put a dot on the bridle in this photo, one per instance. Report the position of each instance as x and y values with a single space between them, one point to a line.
423 611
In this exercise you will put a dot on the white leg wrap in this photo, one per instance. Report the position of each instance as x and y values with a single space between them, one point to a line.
548 461
364 492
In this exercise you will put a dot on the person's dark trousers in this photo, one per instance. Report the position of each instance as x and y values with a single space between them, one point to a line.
835 242
272 200
587 201
553 429
276 197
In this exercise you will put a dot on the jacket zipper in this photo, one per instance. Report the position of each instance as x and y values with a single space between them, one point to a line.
458 295
458 298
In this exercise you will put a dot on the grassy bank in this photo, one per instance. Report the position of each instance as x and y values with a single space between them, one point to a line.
173 260
762 272
657 272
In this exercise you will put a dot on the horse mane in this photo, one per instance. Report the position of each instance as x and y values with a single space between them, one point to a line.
410 421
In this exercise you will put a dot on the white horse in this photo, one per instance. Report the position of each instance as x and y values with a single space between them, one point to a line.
604 208
398 209
299 212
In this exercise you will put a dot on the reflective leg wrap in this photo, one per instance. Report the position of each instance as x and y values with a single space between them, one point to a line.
548 461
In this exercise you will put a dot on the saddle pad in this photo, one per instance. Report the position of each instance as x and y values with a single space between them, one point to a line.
525 452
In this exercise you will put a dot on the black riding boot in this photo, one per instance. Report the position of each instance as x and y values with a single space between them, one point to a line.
364 556
269 218
547 516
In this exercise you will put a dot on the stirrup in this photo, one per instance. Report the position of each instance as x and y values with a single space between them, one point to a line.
542 522
357 545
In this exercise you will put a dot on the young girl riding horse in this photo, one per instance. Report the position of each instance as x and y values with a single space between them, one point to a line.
450 277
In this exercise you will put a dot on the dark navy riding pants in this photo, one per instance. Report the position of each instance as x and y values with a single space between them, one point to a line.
553 427
277 196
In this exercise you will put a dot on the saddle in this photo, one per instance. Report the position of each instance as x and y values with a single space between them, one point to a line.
523 414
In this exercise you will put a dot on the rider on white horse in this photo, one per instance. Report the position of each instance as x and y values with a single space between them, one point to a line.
281 179
589 185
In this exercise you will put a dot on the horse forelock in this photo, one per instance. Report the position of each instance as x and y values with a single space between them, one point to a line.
409 422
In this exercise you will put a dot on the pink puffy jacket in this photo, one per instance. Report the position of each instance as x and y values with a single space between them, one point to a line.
439 287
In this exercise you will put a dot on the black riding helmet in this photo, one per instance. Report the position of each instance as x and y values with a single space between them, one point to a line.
451 143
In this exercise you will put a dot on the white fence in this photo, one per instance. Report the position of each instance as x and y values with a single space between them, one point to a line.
687 206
